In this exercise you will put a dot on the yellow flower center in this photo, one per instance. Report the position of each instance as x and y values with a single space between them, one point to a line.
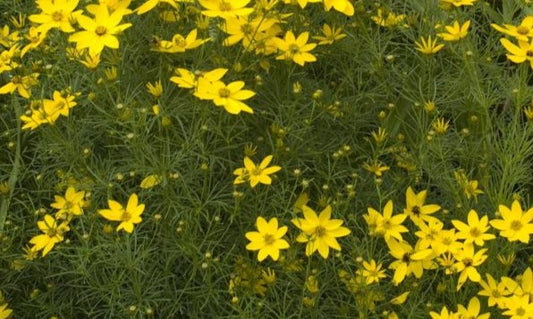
447 241
416 210
320 231
529 53
16 80
516 225
224 93
269 239
496 293
293 48
522 30
475 232
100 30
125 216
57 16
180 42
247 28
406 258
520 311
467 262
51 232
225 6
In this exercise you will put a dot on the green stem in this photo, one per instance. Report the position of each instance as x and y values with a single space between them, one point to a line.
16 168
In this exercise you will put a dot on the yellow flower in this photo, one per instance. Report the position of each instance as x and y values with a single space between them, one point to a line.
387 225
521 53
400 300
428 46
376 167
515 224
522 32
268 240
150 4
4 311
372 272
343 6
35 36
475 230
519 307
415 208
246 30
472 312
466 264
56 14
21 84
440 125
99 32
255 174
458 3
151 181
127 217
408 260
495 291
331 34
70 205
392 20
455 32
296 49
53 234
319 232
180 43
528 112
225 8
444 314
229 96
156 89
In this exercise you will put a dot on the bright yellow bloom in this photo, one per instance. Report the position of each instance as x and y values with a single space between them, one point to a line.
296 49
319 232
58 14
415 208
99 32
372 272
70 205
255 174
151 181
387 225
156 89
246 30
446 242
429 233
466 264
408 260
229 96
36 37
21 84
150 4
112 5
475 231
523 285
6 59
458 3
519 307
343 6
127 217
444 314
440 125
521 53
472 312
179 43
53 234
515 224
455 32
5 312
376 167
522 32
495 291
428 46
225 8
189 80
331 34
392 20
268 240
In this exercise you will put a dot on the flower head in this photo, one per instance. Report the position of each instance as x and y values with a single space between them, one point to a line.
127 217
53 234
428 46
255 174
268 239
455 32
515 225
296 49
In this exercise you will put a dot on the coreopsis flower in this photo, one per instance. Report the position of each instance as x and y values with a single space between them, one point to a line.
519 307
225 8
53 234
69 205
21 84
428 46
416 209
522 32
444 314
455 32
429 233
400 299
90 61
6 59
319 232
446 242
390 21
467 261
151 181
343 6
112 5
295 49
476 229
523 285
495 291
229 96
408 260
268 239
100 32
330 35
155 89
255 174
36 37
521 53
515 224
126 216
387 225
189 80
150 4
376 167
179 43
58 14
372 272
245 29
440 125
458 3
5 312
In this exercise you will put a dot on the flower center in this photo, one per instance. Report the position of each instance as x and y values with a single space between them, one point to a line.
529 53
406 258
520 311
225 6
125 216
180 42
57 16
467 262
224 93
16 80
416 210
496 293
269 239
516 225
247 28
475 232
51 232
320 231
522 30
100 30
293 49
